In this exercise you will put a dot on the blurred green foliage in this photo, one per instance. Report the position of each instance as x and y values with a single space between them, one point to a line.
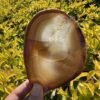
14 17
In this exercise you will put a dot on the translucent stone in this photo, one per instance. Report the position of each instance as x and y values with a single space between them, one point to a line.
54 49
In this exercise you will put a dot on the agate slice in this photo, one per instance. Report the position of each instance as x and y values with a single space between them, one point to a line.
54 49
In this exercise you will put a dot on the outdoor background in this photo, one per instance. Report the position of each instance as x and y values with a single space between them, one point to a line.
14 17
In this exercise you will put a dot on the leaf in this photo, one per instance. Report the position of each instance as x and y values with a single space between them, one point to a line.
61 92
83 74
90 74
98 84
82 89
8 89
98 74
1 88
73 91
97 65
91 88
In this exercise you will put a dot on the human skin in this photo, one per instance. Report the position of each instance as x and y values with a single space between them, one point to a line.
22 90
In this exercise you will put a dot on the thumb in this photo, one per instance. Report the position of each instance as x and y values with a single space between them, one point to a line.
36 93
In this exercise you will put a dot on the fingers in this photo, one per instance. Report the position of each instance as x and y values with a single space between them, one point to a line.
20 91
36 93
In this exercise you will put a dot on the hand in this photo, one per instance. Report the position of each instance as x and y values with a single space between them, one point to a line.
22 90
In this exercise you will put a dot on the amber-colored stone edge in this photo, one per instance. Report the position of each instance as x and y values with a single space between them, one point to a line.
28 29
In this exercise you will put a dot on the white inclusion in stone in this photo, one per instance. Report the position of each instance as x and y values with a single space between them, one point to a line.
60 40
56 31
45 30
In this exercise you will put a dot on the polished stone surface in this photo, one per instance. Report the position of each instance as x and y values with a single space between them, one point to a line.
54 49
